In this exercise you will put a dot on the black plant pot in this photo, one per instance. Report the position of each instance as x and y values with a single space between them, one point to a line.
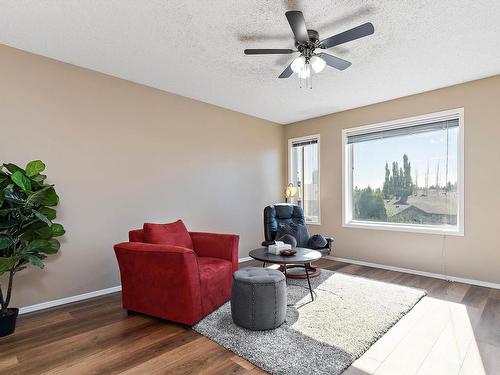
8 322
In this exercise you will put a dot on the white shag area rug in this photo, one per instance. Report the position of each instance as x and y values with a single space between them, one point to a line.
348 315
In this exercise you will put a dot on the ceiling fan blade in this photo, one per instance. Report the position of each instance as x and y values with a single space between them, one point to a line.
298 24
334 62
287 72
352 34
256 51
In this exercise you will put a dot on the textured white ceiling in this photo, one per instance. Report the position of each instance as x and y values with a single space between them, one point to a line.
195 48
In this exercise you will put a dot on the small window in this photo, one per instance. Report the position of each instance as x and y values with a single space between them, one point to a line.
303 163
405 175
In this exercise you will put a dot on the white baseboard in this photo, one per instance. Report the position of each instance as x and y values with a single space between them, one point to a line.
416 272
101 292
63 301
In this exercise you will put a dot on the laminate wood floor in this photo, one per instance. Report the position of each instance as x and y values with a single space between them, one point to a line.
454 330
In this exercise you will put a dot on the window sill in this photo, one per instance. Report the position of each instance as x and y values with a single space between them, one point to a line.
449 231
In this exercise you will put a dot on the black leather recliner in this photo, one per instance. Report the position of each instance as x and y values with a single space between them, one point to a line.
286 214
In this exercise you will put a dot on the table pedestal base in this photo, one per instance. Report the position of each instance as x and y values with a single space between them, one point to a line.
298 272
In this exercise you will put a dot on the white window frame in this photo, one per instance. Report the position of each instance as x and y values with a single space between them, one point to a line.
302 139
347 175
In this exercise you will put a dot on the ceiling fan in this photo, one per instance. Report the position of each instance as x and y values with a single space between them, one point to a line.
313 57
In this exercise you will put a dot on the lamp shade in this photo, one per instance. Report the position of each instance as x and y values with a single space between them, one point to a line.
298 64
291 191
305 72
317 64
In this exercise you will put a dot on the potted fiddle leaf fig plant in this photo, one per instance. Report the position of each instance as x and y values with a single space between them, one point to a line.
27 230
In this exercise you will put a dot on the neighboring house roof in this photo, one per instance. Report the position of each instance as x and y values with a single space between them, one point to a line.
435 203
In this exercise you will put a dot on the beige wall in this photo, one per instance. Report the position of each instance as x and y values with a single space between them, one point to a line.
474 256
121 154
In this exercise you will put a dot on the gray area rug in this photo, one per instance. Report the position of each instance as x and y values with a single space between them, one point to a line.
348 315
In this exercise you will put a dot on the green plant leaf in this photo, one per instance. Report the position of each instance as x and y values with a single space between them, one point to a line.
2 198
57 230
34 260
36 197
51 199
43 233
13 196
34 167
45 197
21 180
39 178
5 211
7 263
4 181
37 233
42 246
42 217
6 224
36 245
5 242
12 168
50 213
54 246
37 181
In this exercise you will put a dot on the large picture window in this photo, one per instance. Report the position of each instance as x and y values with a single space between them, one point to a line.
405 175
303 161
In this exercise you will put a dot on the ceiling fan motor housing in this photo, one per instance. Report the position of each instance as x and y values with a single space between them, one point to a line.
313 39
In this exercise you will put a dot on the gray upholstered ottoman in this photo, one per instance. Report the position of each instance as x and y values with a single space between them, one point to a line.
258 299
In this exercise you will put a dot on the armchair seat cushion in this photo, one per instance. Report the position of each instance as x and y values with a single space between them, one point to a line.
215 282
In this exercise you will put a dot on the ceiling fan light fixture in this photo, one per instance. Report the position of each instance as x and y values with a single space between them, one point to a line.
298 64
317 64
305 72
312 49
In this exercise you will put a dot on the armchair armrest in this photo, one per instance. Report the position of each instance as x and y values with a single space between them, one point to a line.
151 247
222 246
327 249
153 276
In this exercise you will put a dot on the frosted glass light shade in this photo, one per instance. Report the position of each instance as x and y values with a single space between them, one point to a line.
298 64
305 72
317 64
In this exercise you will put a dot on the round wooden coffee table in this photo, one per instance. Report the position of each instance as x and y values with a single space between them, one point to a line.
302 257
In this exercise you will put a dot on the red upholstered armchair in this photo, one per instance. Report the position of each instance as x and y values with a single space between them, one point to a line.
177 283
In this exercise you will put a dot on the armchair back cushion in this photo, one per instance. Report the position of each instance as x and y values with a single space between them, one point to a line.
136 235
174 234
